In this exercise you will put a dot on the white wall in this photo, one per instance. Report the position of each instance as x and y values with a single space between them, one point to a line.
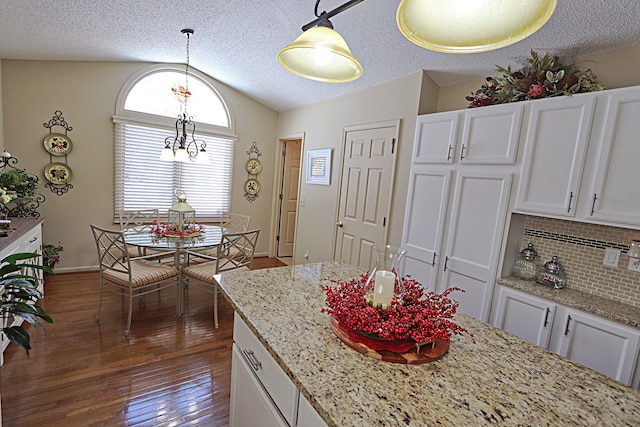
86 94
323 124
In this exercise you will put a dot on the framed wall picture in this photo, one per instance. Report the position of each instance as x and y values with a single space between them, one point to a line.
319 166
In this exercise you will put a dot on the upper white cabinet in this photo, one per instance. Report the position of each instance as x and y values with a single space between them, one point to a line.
489 136
614 192
458 201
554 154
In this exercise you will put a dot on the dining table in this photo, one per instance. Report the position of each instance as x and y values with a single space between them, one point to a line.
143 237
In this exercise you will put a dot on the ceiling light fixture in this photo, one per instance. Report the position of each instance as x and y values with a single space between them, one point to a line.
469 26
320 53
179 148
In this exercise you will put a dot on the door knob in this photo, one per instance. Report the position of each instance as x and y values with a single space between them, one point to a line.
339 224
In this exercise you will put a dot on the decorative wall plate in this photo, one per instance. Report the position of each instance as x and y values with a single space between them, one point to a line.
254 166
57 173
252 186
57 144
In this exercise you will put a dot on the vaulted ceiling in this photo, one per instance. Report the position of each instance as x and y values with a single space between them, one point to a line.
236 41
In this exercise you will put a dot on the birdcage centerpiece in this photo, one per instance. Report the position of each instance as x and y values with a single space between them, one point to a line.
181 221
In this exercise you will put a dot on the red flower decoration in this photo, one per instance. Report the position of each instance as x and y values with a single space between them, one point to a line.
164 229
414 314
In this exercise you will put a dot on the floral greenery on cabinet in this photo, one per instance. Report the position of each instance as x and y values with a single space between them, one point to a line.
541 77
22 187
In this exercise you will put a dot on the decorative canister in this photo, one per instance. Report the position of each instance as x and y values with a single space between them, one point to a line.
552 274
527 265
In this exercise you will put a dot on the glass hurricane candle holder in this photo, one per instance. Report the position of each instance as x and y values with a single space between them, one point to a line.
385 276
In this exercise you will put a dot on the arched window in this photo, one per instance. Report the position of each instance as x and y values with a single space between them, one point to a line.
146 114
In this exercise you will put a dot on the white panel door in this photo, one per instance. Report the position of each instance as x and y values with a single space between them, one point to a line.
615 191
472 246
365 194
525 316
555 147
424 223
289 198
435 138
490 135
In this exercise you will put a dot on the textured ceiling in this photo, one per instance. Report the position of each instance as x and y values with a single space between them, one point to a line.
236 41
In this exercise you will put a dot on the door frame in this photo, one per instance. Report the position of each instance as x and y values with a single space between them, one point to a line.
278 181
340 162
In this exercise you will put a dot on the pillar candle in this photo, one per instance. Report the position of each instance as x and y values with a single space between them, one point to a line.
384 286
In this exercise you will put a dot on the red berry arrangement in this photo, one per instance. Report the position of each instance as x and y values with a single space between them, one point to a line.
164 229
414 314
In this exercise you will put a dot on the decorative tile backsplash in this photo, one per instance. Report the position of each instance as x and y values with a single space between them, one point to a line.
580 248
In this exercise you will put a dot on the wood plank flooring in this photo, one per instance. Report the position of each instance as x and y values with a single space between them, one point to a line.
171 371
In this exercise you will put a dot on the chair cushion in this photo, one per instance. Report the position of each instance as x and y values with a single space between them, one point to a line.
205 271
142 273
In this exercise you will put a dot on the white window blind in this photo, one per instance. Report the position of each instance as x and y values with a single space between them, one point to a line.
143 181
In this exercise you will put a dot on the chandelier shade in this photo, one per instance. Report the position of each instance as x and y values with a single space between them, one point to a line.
470 26
321 54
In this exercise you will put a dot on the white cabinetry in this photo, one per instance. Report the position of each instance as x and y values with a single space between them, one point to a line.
602 345
29 240
458 200
554 154
524 315
261 393
614 192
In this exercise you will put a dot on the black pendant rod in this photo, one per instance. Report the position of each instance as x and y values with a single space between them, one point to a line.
326 15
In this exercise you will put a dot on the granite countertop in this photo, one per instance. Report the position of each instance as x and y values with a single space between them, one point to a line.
593 304
492 378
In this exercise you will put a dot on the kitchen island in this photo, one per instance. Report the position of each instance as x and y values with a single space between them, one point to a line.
490 378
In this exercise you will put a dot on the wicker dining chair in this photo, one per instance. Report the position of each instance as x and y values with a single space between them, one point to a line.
130 277
234 253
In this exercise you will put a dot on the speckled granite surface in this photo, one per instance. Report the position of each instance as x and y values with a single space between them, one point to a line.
599 306
493 378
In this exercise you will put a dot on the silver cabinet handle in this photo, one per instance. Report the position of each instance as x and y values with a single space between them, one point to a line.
433 262
449 152
251 358
566 328
462 152
446 261
570 199
593 205
546 318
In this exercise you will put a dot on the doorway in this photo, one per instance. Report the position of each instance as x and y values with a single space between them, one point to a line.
366 185
288 199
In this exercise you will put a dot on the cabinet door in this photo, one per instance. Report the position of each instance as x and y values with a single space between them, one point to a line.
307 415
524 315
435 138
477 219
32 243
602 345
615 191
424 223
490 135
555 147
250 404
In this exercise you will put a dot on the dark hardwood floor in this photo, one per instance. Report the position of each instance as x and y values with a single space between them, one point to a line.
171 371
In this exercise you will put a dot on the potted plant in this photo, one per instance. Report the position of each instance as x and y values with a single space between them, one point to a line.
51 254
19 297
22 186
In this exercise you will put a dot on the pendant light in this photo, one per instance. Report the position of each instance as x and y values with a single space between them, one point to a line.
320 53
469 26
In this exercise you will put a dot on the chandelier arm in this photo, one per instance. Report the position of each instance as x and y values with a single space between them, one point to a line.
324 16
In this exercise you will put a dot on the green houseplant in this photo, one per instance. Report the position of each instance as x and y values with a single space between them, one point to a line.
20 296
51 254
22 186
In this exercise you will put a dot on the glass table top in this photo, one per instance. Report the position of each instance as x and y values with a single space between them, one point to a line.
142 237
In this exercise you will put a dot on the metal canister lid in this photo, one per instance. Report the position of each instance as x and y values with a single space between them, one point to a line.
529 252
553 266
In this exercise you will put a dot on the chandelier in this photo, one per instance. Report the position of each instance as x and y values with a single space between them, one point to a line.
183 147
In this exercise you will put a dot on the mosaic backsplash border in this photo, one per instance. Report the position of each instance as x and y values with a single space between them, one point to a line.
580 248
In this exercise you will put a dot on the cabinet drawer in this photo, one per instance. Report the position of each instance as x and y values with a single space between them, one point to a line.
276 383
32 241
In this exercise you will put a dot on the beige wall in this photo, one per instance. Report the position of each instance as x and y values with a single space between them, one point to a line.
616 69
323 124
86 94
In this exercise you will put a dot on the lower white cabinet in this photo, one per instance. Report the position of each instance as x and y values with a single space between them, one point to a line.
603 345
524 315
261 393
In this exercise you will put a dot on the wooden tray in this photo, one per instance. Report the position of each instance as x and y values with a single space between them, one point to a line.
427 353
